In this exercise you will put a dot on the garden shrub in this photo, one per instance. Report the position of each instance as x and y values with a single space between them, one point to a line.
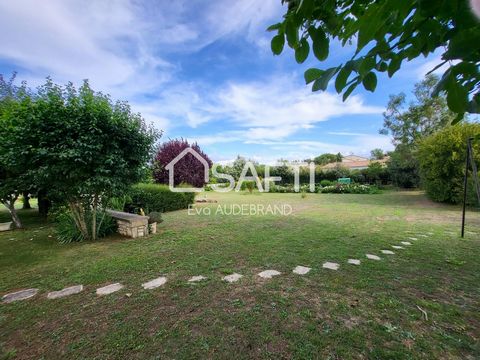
157 197
155 217
68 232
350 189
442 163
326 182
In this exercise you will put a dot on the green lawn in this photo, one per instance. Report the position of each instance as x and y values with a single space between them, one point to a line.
368 311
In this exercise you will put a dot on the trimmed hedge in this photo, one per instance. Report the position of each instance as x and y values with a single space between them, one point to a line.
159 198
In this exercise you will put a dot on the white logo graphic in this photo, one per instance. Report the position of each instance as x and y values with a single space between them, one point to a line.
171 166
248 167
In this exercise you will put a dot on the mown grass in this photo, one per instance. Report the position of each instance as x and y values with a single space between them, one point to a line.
369 311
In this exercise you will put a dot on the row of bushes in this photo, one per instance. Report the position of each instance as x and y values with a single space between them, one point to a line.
334 188
158 198
325 186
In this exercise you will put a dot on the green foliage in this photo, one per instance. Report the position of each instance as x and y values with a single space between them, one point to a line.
403 167
407 123
325 182
118 203
155 217
350 189
377 154
442 162
158 198
78 145
249 185
68 231
327 158
387 33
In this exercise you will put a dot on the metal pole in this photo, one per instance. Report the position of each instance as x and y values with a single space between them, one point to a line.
474 170
465 187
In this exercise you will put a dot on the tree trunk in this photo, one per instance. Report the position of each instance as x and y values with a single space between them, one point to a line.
94 218
43 204
79 217
10 205
26 201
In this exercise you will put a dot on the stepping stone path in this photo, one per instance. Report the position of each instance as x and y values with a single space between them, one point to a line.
406 243
331 266
301 270
354 261
232 278
372 257
19 295
109 289
197 278
155 283
268 274
387 252
414 239
65 292
422 235
397 247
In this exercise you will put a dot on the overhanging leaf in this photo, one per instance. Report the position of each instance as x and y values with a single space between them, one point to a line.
370 81
312 74
277 44
301 53
457 96
322 82
342 78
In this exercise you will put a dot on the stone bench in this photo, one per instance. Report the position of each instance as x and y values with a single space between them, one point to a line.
130 225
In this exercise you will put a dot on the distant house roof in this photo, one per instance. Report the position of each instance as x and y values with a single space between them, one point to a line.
354 162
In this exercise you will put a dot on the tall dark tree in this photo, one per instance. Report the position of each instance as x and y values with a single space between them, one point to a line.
188 170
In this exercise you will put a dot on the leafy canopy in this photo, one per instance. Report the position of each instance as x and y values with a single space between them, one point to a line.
386 33
423 116
442 163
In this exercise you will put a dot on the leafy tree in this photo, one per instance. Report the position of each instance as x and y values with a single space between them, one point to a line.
327 158
375 171
188 170
422 117
81 147
386 33
377 154
14 100
442 162
403 167
407 124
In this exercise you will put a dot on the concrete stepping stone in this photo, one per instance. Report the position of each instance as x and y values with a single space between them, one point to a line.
372 257
413 238
397 247
65 292
197 278
331 266
19 295
387 252
232 278
406 243
301 270
109 289
268 274
155 283
354 261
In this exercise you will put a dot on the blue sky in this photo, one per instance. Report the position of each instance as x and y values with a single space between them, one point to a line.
201 70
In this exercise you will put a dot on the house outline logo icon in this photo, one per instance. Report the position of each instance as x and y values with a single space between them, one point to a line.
171 167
